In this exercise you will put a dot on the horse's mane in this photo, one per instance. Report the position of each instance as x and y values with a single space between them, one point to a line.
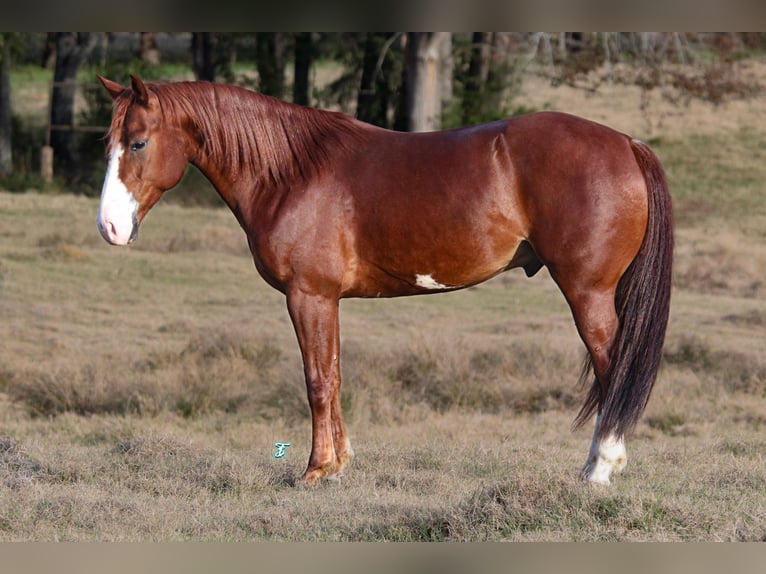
258 136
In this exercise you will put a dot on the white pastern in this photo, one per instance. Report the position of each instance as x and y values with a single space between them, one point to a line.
349 450
428 282
117 212
604 457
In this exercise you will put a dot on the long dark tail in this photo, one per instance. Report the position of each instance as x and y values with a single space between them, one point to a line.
642 301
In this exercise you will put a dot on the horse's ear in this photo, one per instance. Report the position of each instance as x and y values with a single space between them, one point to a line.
140 92
113 88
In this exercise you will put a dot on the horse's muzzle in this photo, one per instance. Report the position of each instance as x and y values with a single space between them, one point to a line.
112 234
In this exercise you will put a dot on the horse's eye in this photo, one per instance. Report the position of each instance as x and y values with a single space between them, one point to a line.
138 145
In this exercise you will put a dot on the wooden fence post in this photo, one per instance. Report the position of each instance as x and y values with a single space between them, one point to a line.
46 163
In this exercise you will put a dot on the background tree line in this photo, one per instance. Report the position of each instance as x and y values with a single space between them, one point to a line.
415 81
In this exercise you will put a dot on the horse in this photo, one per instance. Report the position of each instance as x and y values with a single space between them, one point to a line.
333 208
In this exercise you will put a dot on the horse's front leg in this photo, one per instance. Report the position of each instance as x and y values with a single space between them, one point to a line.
315 318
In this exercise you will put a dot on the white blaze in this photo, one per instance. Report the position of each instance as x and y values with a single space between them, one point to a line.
117 212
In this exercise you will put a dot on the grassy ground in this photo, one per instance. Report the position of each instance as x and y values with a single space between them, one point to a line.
142 389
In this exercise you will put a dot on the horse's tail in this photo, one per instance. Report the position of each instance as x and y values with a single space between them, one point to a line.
642 301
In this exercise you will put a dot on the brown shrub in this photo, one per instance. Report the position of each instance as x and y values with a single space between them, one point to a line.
214 372
736 371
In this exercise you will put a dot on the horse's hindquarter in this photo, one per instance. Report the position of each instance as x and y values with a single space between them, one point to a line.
583 193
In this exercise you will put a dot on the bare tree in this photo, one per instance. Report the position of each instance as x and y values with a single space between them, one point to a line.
425 53
270 56
213 54
150 52
476 76
203 62
48 60
502 78
446 73
6 150
490 77
379 80
72 48
304 56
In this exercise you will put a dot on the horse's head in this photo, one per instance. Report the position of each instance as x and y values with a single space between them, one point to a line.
145 158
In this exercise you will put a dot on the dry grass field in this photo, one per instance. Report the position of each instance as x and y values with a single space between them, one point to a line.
142 388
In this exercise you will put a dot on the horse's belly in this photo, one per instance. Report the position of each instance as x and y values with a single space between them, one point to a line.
443 270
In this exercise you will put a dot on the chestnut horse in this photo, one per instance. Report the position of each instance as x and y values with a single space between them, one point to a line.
333 207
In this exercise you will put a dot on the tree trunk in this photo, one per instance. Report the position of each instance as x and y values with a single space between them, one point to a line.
375 93
476 77
490 79
446 73
424 83
150 53
271 63
6 151
71 51
202 56
304 55
49 51
500 78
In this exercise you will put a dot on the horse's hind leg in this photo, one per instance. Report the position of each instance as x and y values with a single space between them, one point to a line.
596 319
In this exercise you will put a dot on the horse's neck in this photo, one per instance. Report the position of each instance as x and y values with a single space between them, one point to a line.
233 185
272 148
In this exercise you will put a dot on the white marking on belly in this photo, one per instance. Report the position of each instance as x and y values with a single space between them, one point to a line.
428 282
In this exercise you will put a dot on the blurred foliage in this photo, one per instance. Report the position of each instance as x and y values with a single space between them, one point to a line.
682 66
